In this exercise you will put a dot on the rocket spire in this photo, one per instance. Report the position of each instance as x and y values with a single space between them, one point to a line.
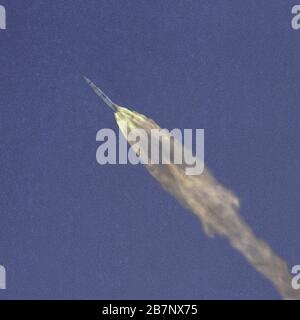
101 94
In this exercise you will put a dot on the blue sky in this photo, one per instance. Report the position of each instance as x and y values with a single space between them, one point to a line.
71 228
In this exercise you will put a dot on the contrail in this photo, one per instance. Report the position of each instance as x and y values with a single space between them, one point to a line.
215 206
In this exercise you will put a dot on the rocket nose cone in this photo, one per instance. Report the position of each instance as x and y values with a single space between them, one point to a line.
87 80
101 94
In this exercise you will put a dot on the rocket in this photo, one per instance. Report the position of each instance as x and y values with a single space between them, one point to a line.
101 94
216 206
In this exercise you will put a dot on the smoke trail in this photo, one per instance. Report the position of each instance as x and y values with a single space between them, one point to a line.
215 206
